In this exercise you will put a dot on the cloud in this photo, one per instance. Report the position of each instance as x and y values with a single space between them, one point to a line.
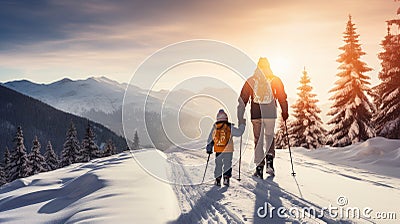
25 22
46 39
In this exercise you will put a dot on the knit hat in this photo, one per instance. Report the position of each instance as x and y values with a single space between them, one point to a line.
222 116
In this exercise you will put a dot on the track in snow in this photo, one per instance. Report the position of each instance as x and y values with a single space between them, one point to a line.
237 203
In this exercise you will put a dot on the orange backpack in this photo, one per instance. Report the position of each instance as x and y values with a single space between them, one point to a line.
221 137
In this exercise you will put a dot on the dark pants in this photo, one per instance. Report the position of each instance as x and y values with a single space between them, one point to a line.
223 164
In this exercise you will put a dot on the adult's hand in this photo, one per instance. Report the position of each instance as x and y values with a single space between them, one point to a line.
285 115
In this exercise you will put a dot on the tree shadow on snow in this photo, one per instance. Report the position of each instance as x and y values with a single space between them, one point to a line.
57 199
268 200
204 209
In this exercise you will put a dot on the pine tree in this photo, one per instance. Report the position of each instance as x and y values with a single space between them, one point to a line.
387 93
7 158
306 128
3 178
51 157
19 162
109 149
280 135
38 163
71 148
351 110
135 144
89 148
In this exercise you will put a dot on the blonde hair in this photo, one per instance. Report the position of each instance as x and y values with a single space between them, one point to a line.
263 74
264 66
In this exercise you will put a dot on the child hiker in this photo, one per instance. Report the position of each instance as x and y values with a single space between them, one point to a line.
221 139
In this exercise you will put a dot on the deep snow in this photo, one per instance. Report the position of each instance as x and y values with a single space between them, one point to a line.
378 155
118 189
112 189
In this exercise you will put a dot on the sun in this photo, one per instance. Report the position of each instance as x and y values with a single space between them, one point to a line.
279 65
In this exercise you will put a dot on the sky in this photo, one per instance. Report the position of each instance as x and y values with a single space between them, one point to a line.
47 40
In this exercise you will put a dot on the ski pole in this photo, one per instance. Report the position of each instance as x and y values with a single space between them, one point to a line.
290 152
240 157
206 168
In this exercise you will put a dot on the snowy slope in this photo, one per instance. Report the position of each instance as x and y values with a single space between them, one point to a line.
113 189
378 155
117 189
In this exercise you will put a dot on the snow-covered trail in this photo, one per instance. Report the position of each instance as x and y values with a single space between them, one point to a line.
318 184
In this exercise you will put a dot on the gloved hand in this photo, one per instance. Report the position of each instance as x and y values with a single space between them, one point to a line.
285 115
242 121
284 107
209 148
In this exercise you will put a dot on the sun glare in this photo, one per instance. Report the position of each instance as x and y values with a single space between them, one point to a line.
279 66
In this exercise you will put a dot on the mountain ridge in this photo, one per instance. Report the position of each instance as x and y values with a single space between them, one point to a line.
40 119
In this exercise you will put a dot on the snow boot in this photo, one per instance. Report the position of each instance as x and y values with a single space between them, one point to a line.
217 181
270 166
226 181
259 172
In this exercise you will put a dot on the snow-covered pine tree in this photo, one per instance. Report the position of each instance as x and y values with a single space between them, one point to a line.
89 149
3 178
387 93
280 135
109 149
51 157
7 158
306 128
19 162
71 148
38 163
351 110
135 144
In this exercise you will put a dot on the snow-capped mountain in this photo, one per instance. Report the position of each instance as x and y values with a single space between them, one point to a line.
77 97
100 99
47 123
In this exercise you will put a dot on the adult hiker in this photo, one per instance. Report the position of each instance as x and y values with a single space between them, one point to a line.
263 88
220 139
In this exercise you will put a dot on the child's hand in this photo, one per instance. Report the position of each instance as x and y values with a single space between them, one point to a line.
209 148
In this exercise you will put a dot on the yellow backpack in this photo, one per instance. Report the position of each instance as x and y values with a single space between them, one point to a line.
221 137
